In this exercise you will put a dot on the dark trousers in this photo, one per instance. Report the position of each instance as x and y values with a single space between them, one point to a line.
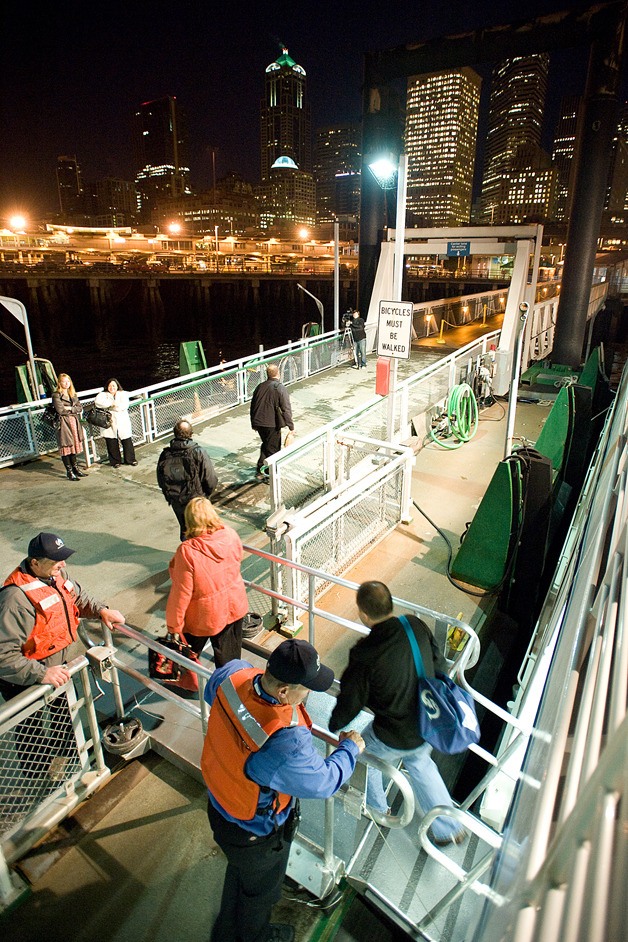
227 644
271 444
113 450
256 867
179 512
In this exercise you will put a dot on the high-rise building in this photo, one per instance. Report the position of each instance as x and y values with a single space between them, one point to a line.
162 141
440 138
616 202
337 160
114 202
69 188
517 101
285 116
287 199
563 153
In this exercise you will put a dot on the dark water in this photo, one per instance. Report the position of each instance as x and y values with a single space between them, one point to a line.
135 364
132 331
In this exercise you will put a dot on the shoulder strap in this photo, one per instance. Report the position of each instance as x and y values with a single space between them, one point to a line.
414 644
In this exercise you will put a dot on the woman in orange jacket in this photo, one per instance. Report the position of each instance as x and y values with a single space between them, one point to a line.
208 596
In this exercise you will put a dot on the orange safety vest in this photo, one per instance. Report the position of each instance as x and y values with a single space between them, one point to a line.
56 614
240 722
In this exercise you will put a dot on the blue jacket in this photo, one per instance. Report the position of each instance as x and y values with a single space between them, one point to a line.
288 762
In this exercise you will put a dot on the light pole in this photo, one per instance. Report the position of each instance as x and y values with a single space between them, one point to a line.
400 238
319 305
18 310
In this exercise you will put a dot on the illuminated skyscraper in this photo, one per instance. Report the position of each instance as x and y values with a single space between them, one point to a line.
440 138
564 152
69 188
285 125
162 139
518 88
337 158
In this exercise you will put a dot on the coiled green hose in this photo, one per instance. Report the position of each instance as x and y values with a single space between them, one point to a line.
461 418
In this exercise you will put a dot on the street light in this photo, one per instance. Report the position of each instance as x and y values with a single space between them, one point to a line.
319 305
390 172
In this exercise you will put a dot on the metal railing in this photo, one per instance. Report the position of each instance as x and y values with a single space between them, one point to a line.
561 870
154 409
51 759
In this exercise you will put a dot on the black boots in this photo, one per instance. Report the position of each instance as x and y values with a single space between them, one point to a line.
76 469
72 470
68 468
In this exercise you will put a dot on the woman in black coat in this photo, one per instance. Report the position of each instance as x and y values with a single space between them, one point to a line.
69 433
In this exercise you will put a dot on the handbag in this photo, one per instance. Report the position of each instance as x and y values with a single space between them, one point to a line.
51 417
447 718
167 671
97 416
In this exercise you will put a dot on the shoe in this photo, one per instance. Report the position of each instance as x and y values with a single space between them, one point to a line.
262 477
280 932
114 464
355 367
78 472
133 464
458 838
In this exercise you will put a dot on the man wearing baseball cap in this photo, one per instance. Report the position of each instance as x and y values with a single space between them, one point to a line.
40 609
258 757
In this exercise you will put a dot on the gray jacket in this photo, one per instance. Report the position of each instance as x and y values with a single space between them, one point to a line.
17 619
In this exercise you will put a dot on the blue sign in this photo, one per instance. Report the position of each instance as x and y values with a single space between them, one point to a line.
458 248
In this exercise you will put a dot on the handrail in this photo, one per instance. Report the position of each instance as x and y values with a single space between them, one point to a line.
201 712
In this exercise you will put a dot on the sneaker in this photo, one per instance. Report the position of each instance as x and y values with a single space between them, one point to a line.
458 838
280 932
260 476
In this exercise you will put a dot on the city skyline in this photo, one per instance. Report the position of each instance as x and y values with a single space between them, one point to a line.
72 86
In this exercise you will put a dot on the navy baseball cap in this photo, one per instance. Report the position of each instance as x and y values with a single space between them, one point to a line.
48 546
297 662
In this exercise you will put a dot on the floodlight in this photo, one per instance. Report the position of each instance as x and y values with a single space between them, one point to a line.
384 169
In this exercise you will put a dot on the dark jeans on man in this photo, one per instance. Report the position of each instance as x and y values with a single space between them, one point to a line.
227 644
256 867
179 512
271 444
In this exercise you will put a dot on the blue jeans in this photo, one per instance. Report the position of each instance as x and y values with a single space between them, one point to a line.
427 783
360 352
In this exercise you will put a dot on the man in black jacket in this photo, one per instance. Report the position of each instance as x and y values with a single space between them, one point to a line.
184 471
270 412
381 676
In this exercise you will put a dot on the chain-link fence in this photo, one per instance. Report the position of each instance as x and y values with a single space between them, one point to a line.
49 742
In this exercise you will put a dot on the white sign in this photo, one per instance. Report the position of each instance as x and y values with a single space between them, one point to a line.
394 329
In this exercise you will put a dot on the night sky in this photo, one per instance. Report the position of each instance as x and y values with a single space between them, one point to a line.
74 73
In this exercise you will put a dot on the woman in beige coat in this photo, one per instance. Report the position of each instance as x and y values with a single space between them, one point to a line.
69 433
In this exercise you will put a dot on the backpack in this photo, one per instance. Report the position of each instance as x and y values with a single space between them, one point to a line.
176 476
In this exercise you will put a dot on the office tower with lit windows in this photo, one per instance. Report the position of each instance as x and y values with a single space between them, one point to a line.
285 116
440 139
69 188
563 153
616 202
515 122
161 135
287 193
337 162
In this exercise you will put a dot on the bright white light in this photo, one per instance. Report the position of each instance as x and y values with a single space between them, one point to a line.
385 172
17 223
174 228
303 233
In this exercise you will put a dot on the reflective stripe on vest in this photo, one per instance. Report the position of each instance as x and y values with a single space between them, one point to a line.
248 722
